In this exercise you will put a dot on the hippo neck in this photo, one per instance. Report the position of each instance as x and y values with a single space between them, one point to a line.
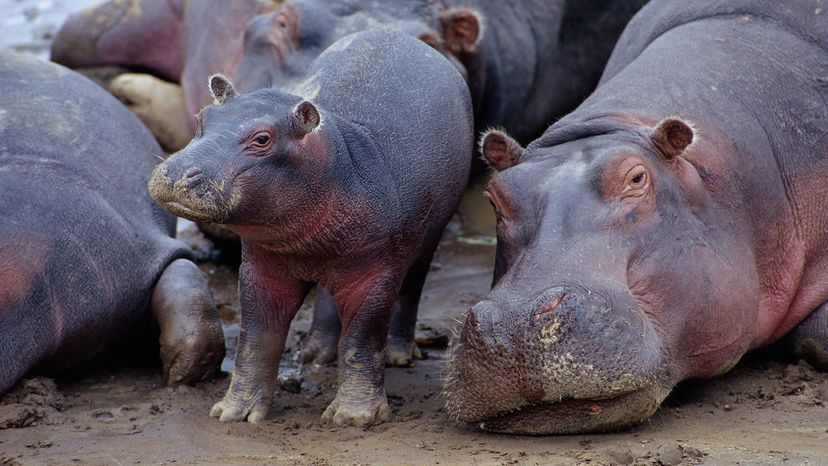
333 219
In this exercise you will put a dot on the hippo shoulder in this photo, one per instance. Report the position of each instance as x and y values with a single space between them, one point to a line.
800 17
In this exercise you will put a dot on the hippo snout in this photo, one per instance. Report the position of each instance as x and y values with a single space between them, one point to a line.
186 190
539 366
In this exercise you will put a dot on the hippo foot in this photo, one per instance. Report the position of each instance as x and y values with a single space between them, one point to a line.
320 348
250 407
400 352
361 413
192 344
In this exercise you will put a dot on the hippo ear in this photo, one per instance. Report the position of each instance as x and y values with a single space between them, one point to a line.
460 29
672 136
307 117
221 88
500 150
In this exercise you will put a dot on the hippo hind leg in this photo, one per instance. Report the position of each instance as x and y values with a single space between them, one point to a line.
192 344
323 337
402 346
809 339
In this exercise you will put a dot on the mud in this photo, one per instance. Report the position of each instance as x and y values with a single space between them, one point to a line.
120 412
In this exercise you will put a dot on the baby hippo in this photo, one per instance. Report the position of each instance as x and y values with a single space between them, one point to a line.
347 181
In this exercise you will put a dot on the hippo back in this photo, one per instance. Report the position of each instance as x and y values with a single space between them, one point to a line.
412 101
81 241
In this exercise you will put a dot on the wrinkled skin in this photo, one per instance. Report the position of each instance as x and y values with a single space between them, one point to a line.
86 256
567 43
181 41
347 181
670 224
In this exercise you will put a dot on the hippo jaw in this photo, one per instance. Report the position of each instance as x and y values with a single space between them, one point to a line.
577 364
199 203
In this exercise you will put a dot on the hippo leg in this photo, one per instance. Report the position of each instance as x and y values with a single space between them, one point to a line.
192 345
269 301
365 310
323 337
402 347
809 339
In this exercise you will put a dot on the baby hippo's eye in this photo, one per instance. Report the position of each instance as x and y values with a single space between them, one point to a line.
260 142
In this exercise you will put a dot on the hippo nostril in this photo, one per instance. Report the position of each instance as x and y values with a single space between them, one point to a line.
549 306
191 172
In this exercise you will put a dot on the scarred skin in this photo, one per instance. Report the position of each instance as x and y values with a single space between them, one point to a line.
346 180
86 256
182 41
670 224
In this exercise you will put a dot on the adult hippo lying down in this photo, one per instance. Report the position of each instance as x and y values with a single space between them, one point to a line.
86 257
673 222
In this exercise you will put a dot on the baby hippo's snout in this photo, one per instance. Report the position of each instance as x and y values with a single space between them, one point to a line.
183 186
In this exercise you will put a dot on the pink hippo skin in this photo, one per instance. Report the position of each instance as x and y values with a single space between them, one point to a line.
673 222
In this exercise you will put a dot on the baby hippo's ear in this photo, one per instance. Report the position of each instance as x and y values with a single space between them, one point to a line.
672 136
500 150
221 88
307 117
460 29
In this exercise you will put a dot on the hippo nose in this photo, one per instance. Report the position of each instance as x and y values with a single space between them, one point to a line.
479 322
192 176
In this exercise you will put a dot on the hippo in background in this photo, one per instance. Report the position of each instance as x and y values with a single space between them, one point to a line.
86 256
533 58
181 41
346 180
669 225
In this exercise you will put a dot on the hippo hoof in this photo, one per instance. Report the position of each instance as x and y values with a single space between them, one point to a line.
320 348
361 414
400 352
228 411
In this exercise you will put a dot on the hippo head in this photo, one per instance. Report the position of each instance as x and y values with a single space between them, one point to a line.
244 146
613 281
279 46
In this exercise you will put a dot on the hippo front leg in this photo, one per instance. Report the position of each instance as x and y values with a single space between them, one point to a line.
365 309
809 339
269 300
192 345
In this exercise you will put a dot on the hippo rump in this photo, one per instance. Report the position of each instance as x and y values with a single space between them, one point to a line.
527 61
347 180
86 256
181 41
670 224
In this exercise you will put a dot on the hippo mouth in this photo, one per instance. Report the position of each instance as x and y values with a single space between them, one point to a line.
578 416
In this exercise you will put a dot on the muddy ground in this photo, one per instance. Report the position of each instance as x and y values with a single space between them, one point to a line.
112 412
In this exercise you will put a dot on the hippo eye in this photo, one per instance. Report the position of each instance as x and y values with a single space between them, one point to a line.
260 141
635 181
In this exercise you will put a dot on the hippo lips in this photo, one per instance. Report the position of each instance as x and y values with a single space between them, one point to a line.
576 416
181 210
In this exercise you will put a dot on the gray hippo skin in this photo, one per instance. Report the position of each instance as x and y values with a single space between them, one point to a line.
670 224
526 62
86 255
347 180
